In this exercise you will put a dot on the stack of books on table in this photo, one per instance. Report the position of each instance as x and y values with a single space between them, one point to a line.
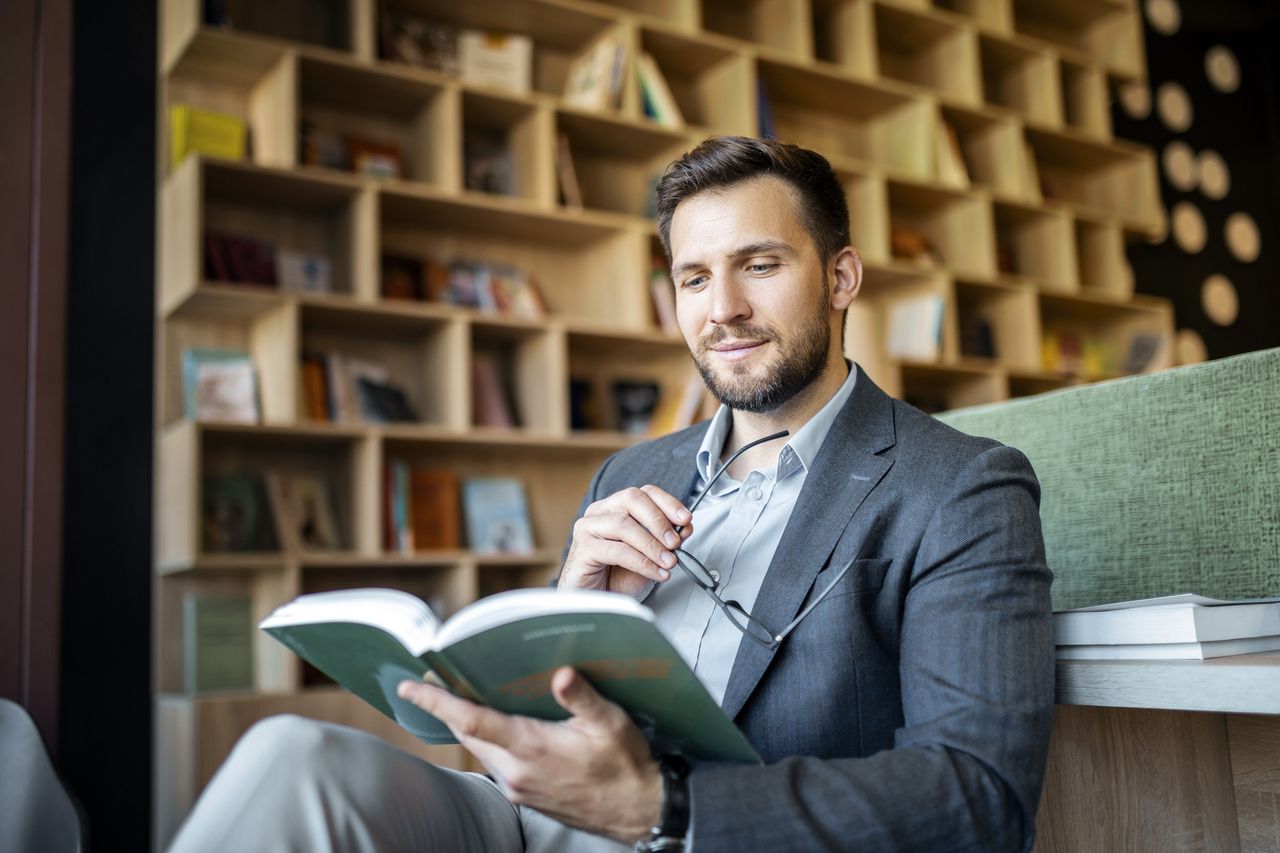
1173 627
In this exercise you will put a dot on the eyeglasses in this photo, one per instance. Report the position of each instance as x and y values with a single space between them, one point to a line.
709 580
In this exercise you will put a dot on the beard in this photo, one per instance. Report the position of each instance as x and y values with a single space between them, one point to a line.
799 360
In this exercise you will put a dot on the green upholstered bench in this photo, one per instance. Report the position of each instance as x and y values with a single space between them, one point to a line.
1155 484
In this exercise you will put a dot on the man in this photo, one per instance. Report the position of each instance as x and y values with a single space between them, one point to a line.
909 706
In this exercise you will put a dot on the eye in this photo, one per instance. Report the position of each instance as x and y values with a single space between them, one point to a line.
694 283
761 268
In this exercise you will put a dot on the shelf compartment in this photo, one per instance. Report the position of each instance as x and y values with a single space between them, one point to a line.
347 106
844 33
1107 32
1108 179
1037 244
554 479
711 81
956 225
618 163
1086 106
782 26
598 361
509 377
268 335
419 355
994 152
589 266
941 388
1092 337
998 322
249 80
316 215
506 148
869 327
1021 77
844 118
924 51
1104 267
560 32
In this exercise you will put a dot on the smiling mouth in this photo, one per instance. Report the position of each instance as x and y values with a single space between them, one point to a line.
736 346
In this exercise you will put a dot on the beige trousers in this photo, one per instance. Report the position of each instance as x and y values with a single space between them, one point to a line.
293 784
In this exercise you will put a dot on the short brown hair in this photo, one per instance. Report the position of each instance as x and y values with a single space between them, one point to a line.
723 161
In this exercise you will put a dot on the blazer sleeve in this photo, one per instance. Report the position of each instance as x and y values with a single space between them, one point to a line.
977 679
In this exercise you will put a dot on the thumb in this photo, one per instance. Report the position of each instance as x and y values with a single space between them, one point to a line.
576 695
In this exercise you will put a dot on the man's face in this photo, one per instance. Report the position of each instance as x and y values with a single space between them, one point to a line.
752 296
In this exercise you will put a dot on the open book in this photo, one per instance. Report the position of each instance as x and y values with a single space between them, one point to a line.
501 651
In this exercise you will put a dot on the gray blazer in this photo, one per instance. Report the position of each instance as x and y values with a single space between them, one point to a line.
911 709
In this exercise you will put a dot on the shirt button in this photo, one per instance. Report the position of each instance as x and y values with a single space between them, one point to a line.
754 494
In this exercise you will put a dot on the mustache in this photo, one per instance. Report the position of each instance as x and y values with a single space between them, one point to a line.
738 331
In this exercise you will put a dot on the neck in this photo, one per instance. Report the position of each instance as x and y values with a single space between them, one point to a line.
791 416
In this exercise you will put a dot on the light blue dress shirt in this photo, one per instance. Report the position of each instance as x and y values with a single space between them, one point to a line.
736 530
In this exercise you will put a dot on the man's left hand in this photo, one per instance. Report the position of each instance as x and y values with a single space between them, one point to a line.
592 771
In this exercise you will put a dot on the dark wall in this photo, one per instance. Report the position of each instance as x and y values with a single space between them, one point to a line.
1241 126
106 702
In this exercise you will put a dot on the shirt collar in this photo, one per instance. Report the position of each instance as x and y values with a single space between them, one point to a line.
799 452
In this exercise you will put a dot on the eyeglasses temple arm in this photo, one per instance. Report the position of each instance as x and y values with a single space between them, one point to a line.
725 467
778 638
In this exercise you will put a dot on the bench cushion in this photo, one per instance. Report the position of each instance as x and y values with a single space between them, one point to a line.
1155 484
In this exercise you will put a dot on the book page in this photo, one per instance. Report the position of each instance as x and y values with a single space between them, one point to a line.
505 608
400 614
1182 600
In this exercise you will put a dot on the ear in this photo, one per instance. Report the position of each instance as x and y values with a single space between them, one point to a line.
846 278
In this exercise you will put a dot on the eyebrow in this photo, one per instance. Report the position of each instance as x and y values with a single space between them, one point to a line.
764 247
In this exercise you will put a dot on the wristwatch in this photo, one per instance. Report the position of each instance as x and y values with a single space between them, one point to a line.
668 835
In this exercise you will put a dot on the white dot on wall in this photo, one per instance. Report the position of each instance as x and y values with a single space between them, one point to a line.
1243 239
1215 177
1190 347
1188 227
1179 165
1135 98
1164 16
1222 69
1219 300
1174 107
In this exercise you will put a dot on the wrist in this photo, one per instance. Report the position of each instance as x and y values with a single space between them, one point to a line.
669 831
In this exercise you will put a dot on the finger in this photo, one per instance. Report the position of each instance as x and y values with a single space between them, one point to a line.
640 504
464 719
621 541
576 695
674 510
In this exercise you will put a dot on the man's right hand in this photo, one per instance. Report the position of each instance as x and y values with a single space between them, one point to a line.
626 540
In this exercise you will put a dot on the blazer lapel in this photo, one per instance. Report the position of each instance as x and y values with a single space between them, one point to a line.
844 473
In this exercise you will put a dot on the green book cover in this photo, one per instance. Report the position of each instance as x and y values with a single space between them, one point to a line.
501 651
218 643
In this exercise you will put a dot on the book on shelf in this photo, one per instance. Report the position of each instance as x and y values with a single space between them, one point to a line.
374 158
487 162
422 509
1185 618
220 385
950 160
496 60
567 175
322 146
239 259
977 336
915 327
594 79
302 503
911 244
492 404
315 388
584 408
217 643
234 514
663 294
193 130
764 112
416 41
303 272
501 652
341 388
383 402
497 516
677 411
657 99
634 404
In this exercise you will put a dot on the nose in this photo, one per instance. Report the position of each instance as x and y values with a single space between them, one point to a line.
728 301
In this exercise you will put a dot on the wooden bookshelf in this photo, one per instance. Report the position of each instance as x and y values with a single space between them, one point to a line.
1030 248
